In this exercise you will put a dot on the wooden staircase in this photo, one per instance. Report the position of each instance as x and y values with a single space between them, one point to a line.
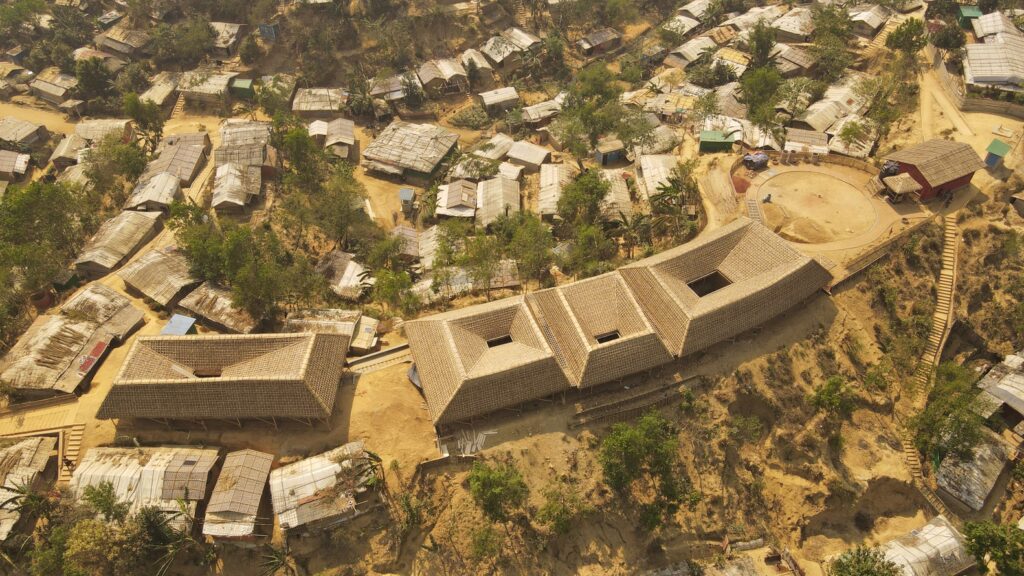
179 107
915 396
69 449
878 42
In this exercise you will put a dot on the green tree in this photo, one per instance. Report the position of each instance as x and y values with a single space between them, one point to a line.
1000 544
392 288
705 106
862 561
759 90
712 74
415 97
563 506
249 50
589 251
148 118
834 398
948 424
182 45
530 246
94 78
498 489
633 231
950 38
112 167
909 37
102 498
581 199
481 257
641 462
762 42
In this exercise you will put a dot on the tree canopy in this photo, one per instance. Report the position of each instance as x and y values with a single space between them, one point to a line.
862 561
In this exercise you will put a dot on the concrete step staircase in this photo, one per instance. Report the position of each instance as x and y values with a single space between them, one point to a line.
878 42
916 395
179 107
69 450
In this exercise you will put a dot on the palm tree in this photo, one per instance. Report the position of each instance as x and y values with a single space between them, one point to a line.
279 561
633 231
28 502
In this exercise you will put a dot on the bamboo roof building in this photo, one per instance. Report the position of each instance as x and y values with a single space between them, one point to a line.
235 186
159 477
231 512
722 284
116 241
60 352
213 305
20 465
182 158
321 491
319 101
456 199
597 344
617 202
160 275
99 128
345 277
67 151
971 481
22 132
233 377
483 358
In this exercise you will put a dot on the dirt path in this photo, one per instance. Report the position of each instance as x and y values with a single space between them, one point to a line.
54 121
930 86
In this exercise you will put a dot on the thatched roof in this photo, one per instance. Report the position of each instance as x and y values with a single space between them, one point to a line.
597 330
20 464
214 305
758 276
116 240
236 497
53 355
228 376
160 275
940 161
483 358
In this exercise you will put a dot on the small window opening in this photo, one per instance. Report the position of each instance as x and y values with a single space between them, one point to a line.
207 373
607 337
708 284
499 341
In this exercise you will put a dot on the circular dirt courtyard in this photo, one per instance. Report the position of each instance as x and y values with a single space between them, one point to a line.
813 207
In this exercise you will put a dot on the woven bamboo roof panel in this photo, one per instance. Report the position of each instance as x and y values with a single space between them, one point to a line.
241 482
468 376
574 316
228 376
940 161
765 276
213 303
416 147
116 240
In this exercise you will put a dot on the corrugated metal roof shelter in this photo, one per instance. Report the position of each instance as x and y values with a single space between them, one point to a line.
205 86
324 320
857 148
681 24
21 131
495 148
617 202
403 147
542 112
868 19
60 351
345 277
599 41
122 39
231 512
655 170
183 160
161 275
935 549
67 151
164 87
938 165
528 155
179 325
235 377
443 76
1003 384
456 199
20 465
972 481
320 491
227 36
499 99
319 101
235 186
155 193
116 241
999 58
53 85
458 282
150 477
214 305
722 284
99 128
593 343
552 178
806 141
797 25
13 165
496 197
